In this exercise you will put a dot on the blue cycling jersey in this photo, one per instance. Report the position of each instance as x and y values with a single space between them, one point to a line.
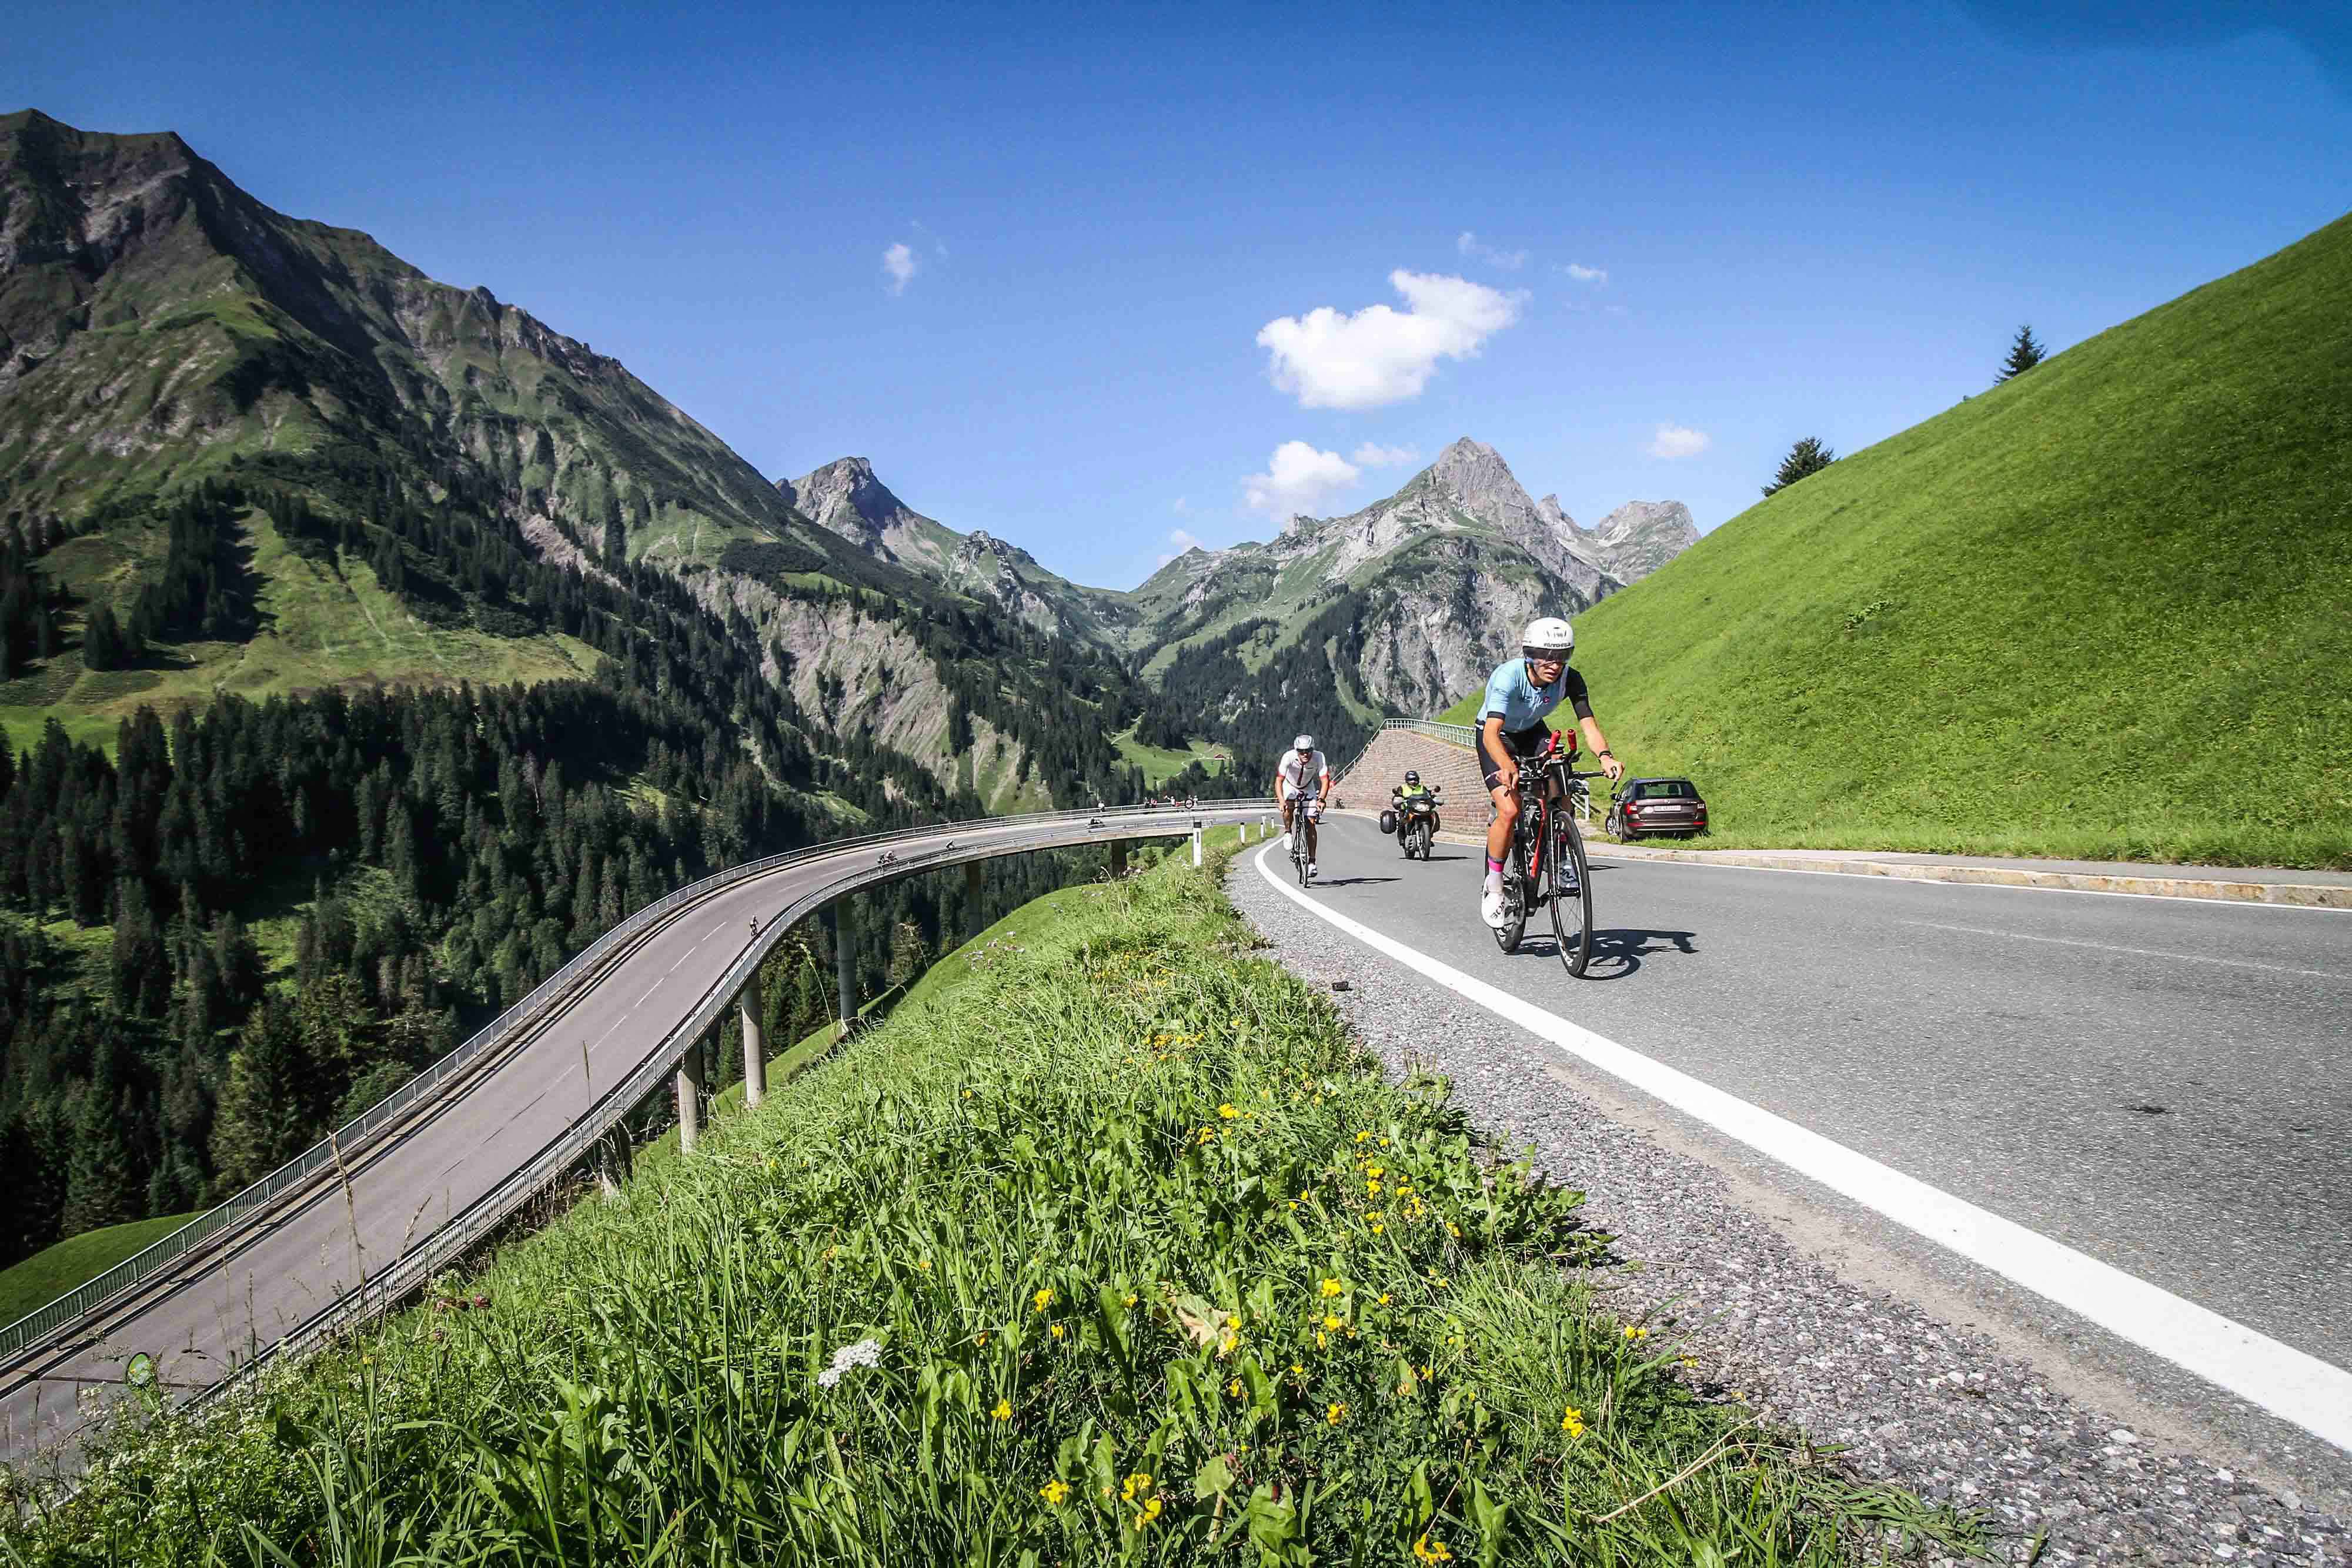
1523 703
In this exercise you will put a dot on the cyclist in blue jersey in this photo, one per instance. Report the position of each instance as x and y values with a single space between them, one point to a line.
1519 695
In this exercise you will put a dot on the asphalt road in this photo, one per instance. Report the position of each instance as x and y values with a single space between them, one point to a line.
2162 1084
317 1250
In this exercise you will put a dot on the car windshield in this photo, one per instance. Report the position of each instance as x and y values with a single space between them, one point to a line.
1663 789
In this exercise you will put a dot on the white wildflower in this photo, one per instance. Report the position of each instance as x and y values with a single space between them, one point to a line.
864 1353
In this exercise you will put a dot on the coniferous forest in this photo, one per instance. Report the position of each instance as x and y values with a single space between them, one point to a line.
423 856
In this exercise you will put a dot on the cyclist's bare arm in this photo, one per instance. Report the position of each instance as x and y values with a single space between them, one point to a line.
1599 744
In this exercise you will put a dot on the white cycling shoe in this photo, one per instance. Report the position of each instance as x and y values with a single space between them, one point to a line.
1286 841
1313 870
1490 904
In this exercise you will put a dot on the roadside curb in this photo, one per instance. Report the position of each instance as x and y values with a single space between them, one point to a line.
2308 895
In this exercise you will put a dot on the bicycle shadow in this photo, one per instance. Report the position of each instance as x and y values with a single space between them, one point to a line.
1349 881
1617 952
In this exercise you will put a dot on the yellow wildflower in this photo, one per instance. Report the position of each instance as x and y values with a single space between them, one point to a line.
1331 1287
1336 1414
925 1265
1235 1388
1130 1298
981 1340
1361 1136
1148 1512
1572 1422
1227 1112
1428 1550
1138 1483
1330 1322
1054 1492
1004 1411
1377 1227
1058 1331
1042 1300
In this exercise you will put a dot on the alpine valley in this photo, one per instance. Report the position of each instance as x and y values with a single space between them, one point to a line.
363 631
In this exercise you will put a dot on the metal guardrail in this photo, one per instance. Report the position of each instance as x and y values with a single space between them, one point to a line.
341 1143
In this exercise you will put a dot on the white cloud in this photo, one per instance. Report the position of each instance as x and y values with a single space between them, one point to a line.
1182 505
1677 441
1372 455
1471 246
1328 360
1583 274
900 262
1298 479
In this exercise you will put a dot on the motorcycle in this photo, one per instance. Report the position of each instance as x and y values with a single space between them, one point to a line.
1416 821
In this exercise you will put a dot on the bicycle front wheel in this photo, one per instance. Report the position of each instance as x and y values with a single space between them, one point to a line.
1571 898
1515 900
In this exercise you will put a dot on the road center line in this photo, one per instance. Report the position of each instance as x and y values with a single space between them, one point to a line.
2142 952
2288 1382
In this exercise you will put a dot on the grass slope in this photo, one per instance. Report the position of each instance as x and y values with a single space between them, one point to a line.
1112 1250
321 625
38 1281
2100 610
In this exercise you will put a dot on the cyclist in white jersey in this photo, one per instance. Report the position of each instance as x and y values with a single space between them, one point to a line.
1302 779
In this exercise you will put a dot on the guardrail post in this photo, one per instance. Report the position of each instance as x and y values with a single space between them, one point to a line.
845 968
970 900
689 1098
755 1053
1196 844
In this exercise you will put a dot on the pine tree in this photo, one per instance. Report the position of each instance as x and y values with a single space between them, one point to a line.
1808 456
260 1119
2024 353
103 646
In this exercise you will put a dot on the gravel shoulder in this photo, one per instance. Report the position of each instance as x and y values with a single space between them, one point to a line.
1811 1334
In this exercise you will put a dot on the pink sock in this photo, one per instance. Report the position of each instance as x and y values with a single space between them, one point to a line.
1493 866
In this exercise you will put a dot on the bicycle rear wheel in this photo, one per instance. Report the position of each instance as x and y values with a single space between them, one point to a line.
1571 896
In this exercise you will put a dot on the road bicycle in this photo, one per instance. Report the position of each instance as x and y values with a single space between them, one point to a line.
1547 864
1307 809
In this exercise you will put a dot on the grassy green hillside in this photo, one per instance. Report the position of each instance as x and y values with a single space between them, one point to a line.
2102 610
1117 1250
38 1281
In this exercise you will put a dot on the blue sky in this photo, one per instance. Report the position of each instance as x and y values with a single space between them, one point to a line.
1121 223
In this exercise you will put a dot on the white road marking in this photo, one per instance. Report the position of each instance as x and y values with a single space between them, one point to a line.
649 994
2141 952
2288 1382
1598 851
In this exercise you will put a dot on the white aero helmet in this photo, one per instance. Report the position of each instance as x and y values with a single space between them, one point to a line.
1548 637
1304 743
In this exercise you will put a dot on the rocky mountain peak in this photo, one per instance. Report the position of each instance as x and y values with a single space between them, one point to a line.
846 498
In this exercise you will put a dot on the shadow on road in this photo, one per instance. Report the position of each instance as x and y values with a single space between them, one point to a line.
1617 952
1349 881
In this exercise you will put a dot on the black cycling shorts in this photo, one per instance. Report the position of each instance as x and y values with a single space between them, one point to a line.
1523 744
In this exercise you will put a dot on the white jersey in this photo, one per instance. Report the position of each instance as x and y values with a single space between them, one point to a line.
1304 775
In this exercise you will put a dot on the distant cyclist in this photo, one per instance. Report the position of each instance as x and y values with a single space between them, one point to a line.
1519 695
1301 779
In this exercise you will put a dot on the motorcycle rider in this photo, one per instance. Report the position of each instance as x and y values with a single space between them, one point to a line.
1302 776
1519 694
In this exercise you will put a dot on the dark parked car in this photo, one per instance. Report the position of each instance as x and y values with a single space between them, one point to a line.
1668 807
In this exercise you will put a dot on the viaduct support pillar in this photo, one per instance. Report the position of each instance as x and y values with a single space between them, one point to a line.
971 922
755 1054
1118 859
689 1098
845 967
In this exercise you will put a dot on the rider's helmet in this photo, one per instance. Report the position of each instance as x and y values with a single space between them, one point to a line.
1549 637
1305 743
1412 776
